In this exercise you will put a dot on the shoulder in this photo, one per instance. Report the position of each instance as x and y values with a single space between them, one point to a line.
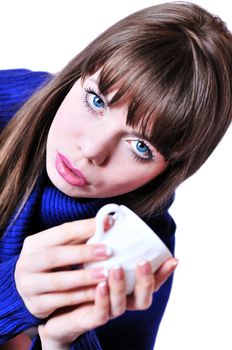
16 86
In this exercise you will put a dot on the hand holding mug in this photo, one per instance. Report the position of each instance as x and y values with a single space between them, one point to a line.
131 240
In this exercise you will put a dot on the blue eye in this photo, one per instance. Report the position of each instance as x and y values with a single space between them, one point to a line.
141 147
97 101
140 150
93 101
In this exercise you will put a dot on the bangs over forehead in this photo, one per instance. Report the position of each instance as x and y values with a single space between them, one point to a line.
169 74
158 85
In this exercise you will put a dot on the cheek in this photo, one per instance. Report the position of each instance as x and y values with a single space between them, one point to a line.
57 129
71 120
138 181
62 127
138 175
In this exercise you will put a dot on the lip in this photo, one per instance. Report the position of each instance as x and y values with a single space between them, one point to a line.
70 174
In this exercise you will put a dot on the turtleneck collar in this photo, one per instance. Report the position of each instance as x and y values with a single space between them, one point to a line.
56 208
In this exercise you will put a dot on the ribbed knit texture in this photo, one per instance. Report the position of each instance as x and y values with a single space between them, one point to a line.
56 207
52 208
16 86
48 207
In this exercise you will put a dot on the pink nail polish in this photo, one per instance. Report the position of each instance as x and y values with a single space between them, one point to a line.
117 272
145 268
100 273
102 251
103 288
175 263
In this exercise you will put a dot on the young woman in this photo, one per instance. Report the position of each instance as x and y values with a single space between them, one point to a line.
127 120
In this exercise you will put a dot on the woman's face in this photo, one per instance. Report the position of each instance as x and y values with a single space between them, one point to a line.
91 152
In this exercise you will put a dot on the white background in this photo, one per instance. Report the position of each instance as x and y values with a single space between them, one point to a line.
45 35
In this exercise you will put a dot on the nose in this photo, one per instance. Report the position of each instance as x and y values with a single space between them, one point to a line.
97 146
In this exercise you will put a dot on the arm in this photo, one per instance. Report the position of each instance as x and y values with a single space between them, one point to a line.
14 316
16 86
88 340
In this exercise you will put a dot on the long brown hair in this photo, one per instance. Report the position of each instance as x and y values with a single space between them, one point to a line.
175 60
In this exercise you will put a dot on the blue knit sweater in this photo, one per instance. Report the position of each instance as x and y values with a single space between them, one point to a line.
47 207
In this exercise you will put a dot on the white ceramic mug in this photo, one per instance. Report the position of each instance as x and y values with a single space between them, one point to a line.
131 240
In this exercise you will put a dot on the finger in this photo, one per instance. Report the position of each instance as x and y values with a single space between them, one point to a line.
55 257
68 233
101 312
45 304
141 299
41 283
117 288
89 315
164 272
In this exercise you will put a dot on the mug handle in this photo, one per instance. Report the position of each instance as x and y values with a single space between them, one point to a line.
102 213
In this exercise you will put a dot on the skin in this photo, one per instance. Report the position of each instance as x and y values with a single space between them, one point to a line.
46 284
96 140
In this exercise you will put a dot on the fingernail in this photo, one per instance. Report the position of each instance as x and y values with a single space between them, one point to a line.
145 268
100 273
175 262
102 251
103 288
117 272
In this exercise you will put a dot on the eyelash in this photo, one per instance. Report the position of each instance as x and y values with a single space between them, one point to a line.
91 91
141 159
